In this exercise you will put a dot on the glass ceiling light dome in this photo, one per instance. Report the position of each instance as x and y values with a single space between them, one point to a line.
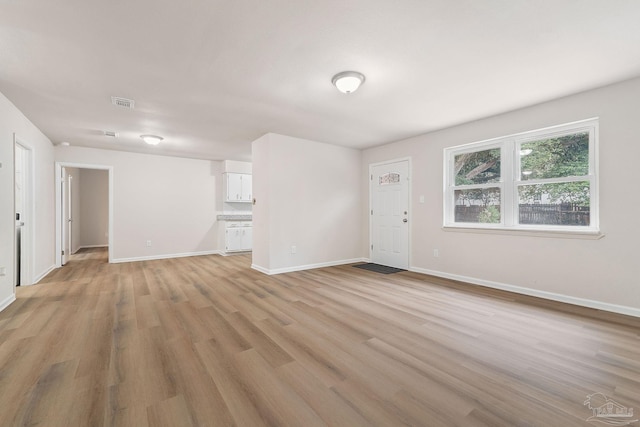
348 81
151 139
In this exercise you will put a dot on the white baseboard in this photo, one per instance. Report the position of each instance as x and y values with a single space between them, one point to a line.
306 267
43 274
7 301
614 308
167 256
40 276
260 269
225 253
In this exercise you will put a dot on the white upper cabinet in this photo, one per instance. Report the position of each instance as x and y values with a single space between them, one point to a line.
238 187
245 188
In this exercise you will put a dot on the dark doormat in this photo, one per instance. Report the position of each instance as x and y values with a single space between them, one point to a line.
379 268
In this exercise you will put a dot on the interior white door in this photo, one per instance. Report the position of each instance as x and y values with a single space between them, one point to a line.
389 190
20 210
70 196
66 214
24 212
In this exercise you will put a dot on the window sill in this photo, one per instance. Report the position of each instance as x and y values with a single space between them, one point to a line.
557 234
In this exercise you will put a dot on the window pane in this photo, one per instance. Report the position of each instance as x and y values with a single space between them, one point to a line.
554 204
555 157
478 205
478 168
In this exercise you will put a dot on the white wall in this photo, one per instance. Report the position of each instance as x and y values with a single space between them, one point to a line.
603 273
261 210
94 208
235 166
168 200
307 195
13 121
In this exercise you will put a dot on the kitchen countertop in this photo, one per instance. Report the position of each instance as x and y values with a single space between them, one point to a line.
234 217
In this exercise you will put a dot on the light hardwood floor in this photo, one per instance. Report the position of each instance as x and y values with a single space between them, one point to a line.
207 341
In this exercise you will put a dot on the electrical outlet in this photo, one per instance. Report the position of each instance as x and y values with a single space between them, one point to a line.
3 271
148 243
294 249
436 253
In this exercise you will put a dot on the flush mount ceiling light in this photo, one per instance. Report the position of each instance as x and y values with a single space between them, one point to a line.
348 81
151 139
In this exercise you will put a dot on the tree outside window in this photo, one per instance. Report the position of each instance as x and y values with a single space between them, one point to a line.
541 178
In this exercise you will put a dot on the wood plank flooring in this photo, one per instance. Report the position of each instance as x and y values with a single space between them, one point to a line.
206 341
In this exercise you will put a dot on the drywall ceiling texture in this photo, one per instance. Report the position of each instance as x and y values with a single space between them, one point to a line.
604 270
212 76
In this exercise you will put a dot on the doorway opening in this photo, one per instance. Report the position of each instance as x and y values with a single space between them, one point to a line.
84 209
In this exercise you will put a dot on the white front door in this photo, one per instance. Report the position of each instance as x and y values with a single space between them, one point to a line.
389 190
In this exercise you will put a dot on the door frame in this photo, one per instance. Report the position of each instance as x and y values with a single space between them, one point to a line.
28 230
58 196
370 180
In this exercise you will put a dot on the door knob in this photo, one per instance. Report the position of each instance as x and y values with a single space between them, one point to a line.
405 220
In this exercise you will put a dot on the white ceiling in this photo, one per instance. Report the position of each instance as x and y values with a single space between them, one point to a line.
210 76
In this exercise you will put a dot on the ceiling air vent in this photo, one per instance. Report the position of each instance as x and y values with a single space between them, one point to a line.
123 102
110 133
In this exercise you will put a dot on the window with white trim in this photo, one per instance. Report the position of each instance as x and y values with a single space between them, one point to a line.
538 180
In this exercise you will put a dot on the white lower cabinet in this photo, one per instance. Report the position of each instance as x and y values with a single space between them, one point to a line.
238 237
